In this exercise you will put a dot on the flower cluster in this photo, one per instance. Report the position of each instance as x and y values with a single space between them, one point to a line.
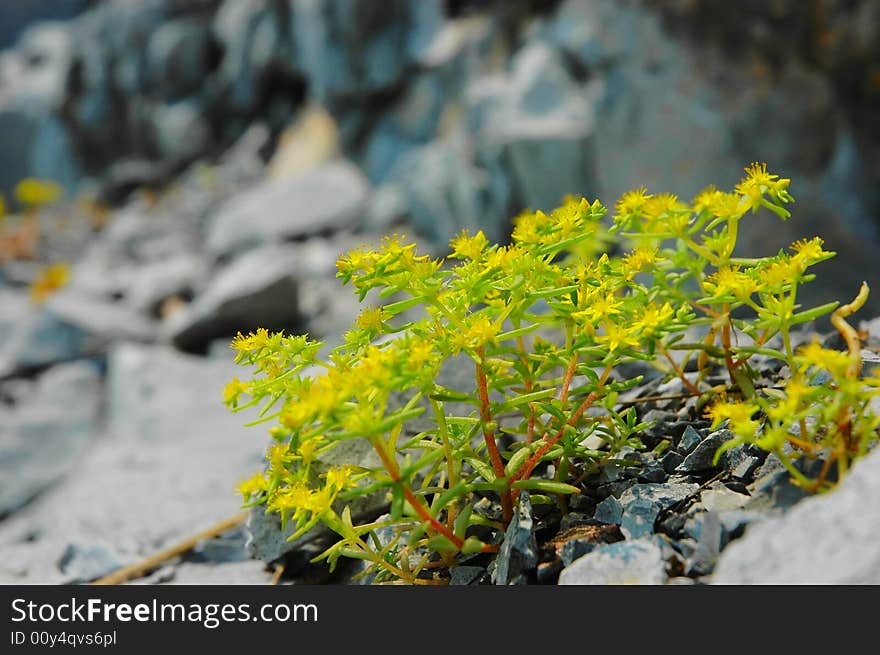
543 324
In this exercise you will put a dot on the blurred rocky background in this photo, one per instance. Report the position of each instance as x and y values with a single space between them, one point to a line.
210 159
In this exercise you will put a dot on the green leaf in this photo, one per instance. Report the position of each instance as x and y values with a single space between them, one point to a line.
397 501
449 395
471 546
463 520
744 382
513 334
441 544
402 305
482 468
813 314
524 399
517 460
451 494
553 293
550 486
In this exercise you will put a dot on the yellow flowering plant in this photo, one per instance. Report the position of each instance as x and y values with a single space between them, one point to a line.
544 325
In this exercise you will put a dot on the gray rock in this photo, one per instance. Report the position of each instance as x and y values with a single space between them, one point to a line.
257 290
638 562
229 547
709 537
347 48
148 285
33 337
773 488
53 156
327 198
826 539
254 36
104 321
17 129
178 58
46 49
642 503
246 572
719 498
670 461
413 121
701 458
652 471
575 548
43 437
576 29
182 131
164 468
519 550
444 193
690 439
743 468
84 563
19 14
609 510
465 575
540 120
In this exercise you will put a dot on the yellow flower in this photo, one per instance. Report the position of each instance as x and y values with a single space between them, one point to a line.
654 318
36 193
618 337
739 415
719 204
371 319
569 218
251 342
356 261
297 415
465 246
339 478
420 353
295 497
481 331
641 258
809 252
729 281
631 202
279 456
780 272
504 256
664 203
833 361
48 281
233 391
601 304
758 182
253 486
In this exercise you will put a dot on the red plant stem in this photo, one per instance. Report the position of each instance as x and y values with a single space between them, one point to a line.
529 465
489 437
418 505
566 382
425 515
486 418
